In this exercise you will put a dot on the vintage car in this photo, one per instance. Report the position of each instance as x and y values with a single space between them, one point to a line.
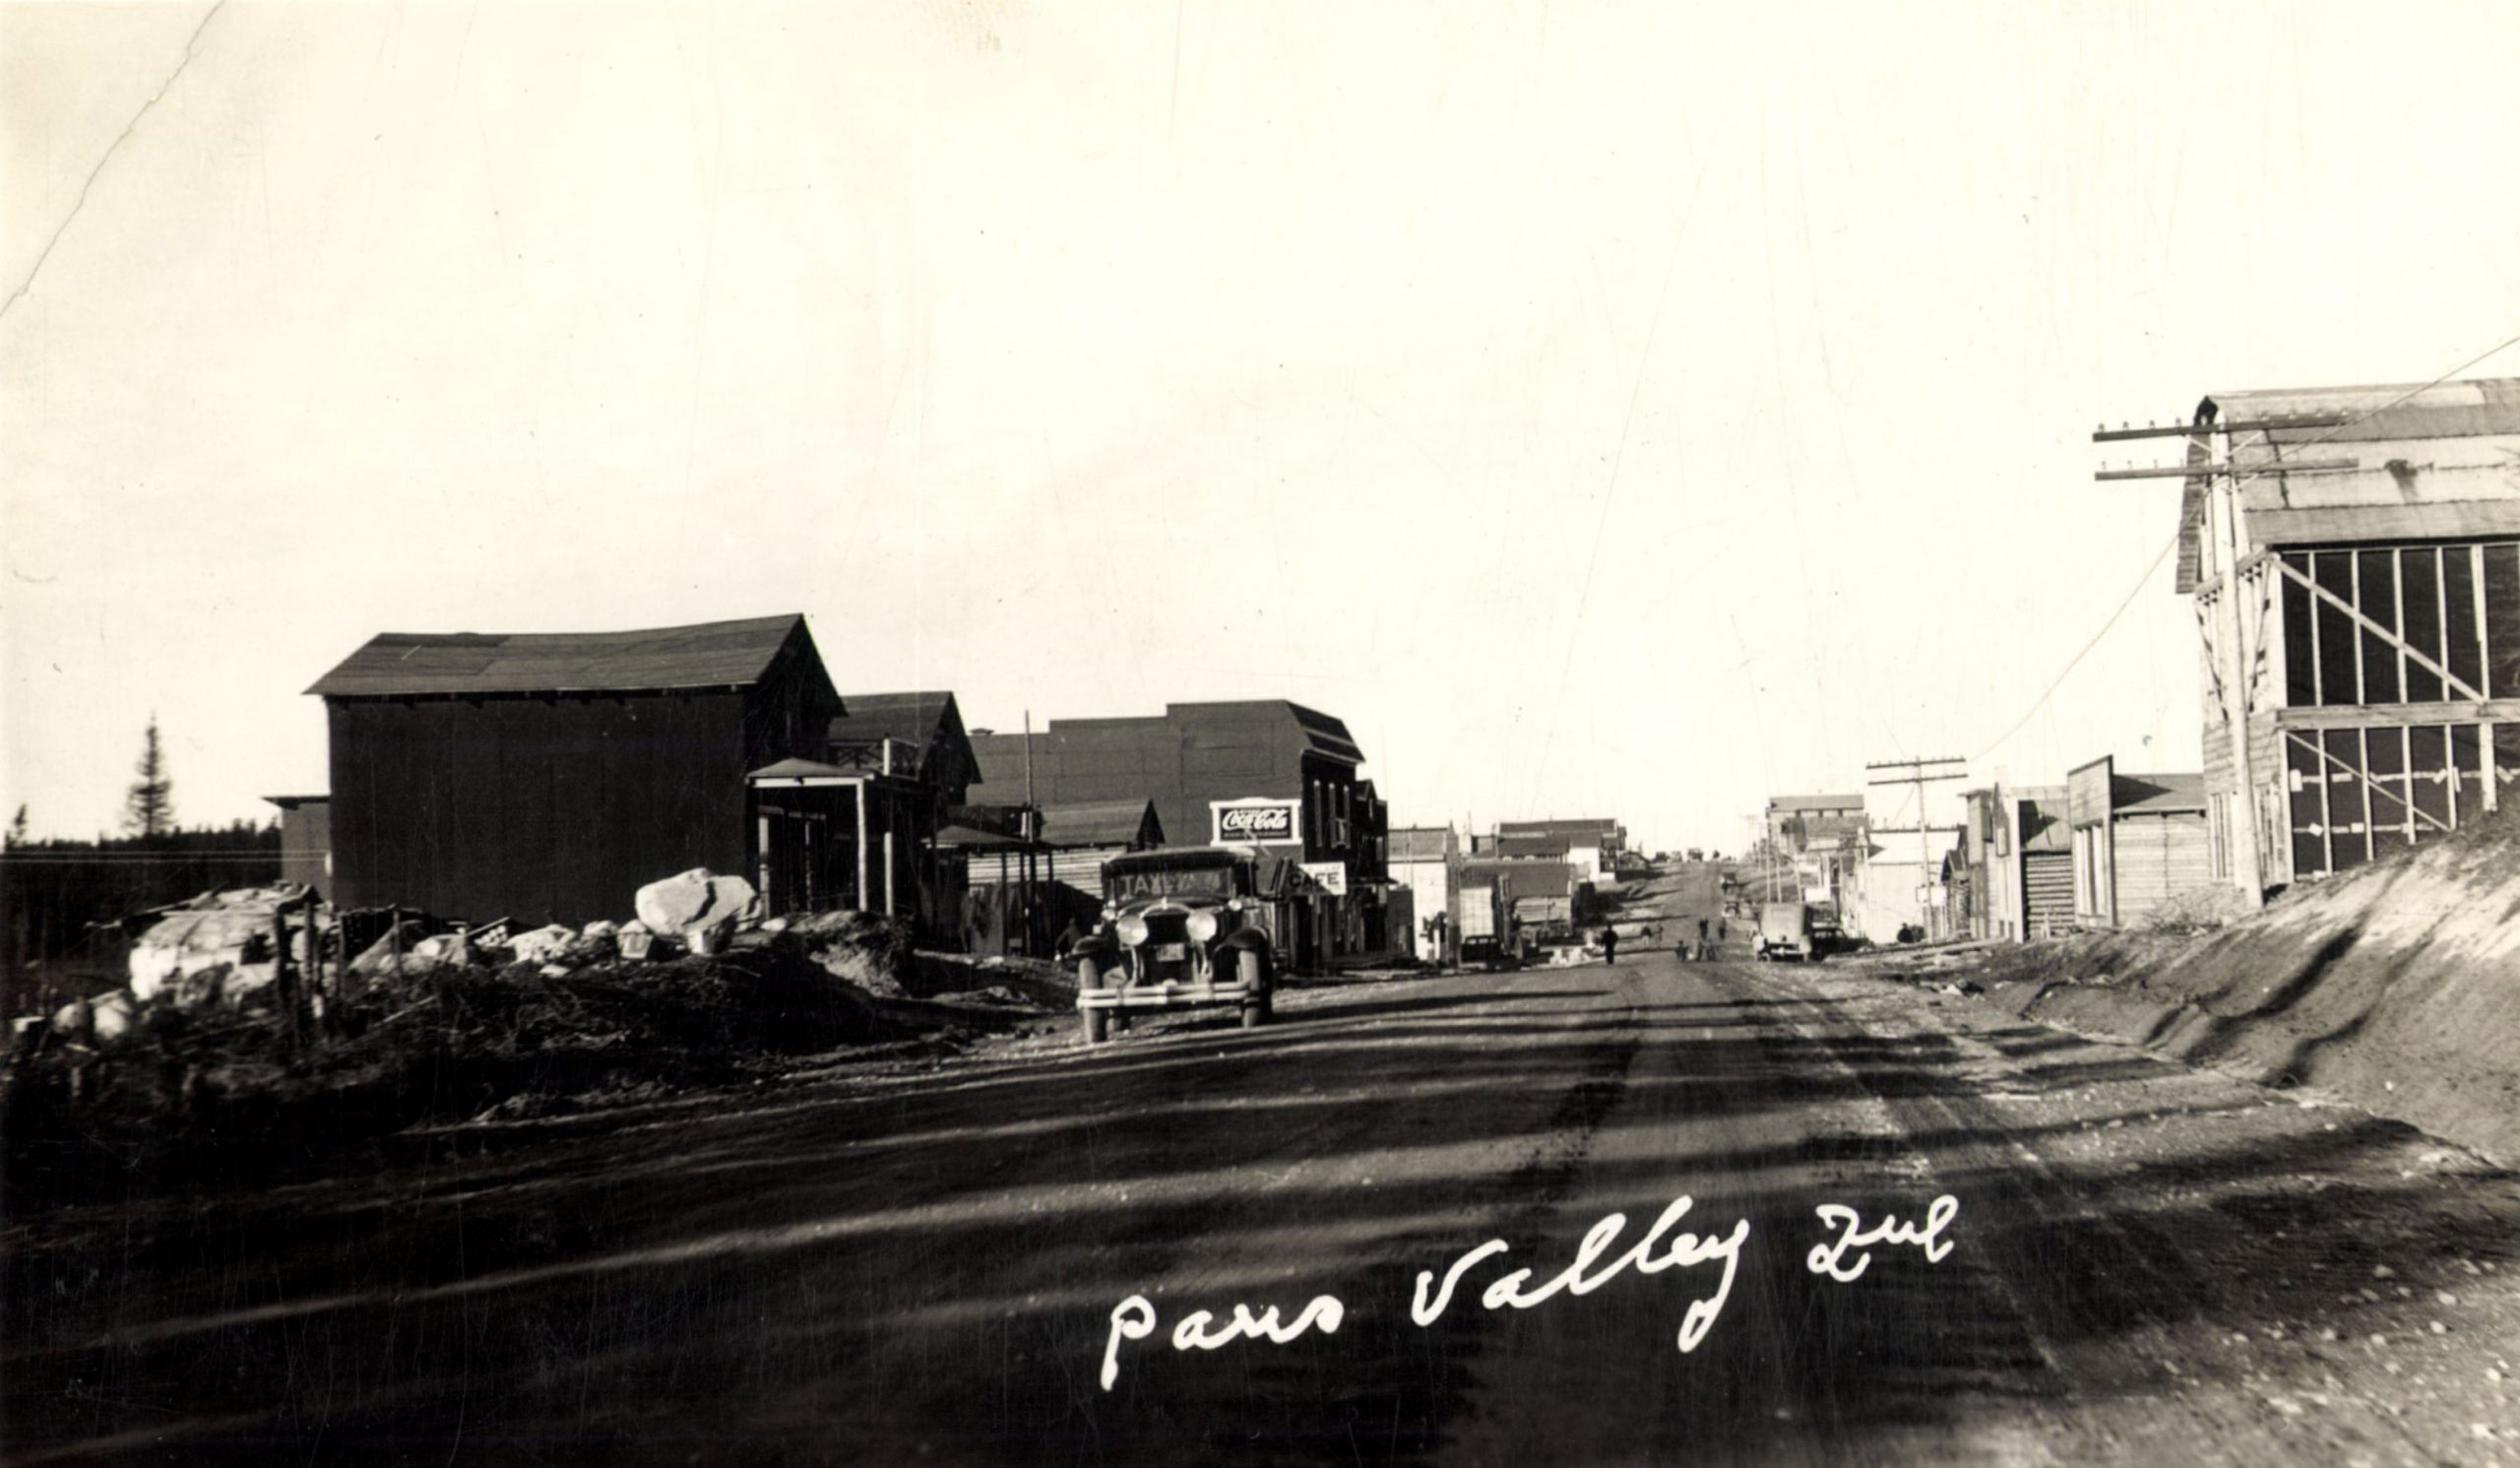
1183 927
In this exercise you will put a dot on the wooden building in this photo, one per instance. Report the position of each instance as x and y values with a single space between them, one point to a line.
1796 823
307 840
1592 843
1427 861
1264 772
546 777
2021 862
2138 842
920 737
2355 558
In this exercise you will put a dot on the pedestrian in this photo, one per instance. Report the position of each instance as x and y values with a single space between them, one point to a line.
1701 938
1609 945
1069 937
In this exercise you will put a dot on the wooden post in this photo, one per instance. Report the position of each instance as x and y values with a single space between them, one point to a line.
289 981
858 901
2247 871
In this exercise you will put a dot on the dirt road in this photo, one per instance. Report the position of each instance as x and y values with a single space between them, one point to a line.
2146 1264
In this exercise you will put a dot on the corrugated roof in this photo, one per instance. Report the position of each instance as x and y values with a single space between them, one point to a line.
1098 822
2383 411
2420 472
705 655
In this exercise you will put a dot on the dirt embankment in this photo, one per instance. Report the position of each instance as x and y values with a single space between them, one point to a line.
2396 985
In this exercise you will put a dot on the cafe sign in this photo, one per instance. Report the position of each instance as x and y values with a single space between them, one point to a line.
1332 875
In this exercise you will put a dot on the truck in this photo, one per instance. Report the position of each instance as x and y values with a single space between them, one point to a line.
1186 928
1784 932
1478 919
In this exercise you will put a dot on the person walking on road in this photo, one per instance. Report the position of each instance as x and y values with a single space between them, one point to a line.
1609 945
1702 951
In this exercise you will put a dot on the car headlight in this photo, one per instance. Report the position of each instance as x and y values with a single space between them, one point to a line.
1133 932
1203 926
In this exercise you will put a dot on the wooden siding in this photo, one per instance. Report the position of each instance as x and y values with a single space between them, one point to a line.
543 811
2158 858
1079 870
2047 891
556 807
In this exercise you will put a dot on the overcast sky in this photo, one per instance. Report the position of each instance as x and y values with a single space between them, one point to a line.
1605 410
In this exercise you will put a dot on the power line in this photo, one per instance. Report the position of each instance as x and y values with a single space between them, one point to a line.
2362 417
2085 651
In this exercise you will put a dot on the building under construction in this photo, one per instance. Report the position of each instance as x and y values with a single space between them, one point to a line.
2355 558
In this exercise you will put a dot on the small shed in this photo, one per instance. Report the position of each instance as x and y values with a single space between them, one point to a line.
307 840
2139 841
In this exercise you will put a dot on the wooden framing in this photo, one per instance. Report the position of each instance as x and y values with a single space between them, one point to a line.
2395 639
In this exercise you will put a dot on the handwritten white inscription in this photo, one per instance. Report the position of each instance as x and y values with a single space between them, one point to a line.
1133 1319
1685 1251
1842 1258
1831 1259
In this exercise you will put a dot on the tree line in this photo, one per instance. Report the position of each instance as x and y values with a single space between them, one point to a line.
56 892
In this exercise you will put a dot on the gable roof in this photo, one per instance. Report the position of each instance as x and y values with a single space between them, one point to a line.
707 654
921 721
1816 803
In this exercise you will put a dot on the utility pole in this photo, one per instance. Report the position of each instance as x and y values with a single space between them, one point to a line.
2210 458
1920 773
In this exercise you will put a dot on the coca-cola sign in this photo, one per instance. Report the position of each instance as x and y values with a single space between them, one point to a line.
1255 822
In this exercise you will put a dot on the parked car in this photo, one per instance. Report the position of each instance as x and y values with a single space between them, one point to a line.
1784 932
1184 928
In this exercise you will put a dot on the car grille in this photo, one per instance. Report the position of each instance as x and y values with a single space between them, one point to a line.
1169 932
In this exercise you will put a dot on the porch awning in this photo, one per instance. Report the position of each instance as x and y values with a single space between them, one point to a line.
800 771
973 838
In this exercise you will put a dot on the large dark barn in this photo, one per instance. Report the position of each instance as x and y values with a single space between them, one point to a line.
547 776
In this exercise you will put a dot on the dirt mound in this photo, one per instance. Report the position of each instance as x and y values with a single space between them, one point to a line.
871 952
2391 985
212 1095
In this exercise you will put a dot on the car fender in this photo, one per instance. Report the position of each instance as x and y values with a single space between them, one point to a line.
1105 954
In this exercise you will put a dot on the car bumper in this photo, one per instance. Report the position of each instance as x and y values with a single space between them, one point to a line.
1169 996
